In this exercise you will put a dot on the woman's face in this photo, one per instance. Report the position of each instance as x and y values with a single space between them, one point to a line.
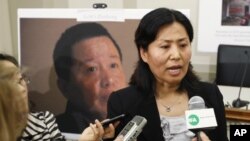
22 86
18 77
168 56
23 101
21 98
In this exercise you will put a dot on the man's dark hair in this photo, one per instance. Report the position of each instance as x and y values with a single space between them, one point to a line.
6 57
62 55
145 34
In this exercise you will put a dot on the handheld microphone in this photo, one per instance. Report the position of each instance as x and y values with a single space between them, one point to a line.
198 117
133 128
238 103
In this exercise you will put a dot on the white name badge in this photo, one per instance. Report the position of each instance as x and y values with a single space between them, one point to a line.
201 118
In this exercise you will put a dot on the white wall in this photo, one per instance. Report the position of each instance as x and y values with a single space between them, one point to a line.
231 93
5 29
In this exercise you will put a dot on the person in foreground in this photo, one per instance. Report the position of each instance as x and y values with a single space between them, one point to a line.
40 125
18 123
13 106
164 81
88 64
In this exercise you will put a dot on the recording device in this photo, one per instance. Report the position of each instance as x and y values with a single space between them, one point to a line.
133 128
238 103
106 123
198 117
100 5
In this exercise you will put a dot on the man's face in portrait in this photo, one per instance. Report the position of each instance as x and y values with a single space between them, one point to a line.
96 72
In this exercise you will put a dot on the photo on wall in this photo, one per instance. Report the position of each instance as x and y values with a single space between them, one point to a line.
227 22
75 61
235 13
76 58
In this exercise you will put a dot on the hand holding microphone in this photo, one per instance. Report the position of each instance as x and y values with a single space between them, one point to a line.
99 130
96 131
106 129
202 137
199 118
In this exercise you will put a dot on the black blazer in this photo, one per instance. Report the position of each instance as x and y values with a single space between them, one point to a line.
133 102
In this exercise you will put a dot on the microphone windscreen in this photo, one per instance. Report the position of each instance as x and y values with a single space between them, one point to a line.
196 102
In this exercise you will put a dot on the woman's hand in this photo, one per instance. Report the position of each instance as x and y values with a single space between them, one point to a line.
203 136
119 138
95 132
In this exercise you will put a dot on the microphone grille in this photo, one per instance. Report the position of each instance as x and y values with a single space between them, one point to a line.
196 102
139 119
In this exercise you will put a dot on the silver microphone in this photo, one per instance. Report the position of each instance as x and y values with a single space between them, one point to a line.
133 128
198 117
196 102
